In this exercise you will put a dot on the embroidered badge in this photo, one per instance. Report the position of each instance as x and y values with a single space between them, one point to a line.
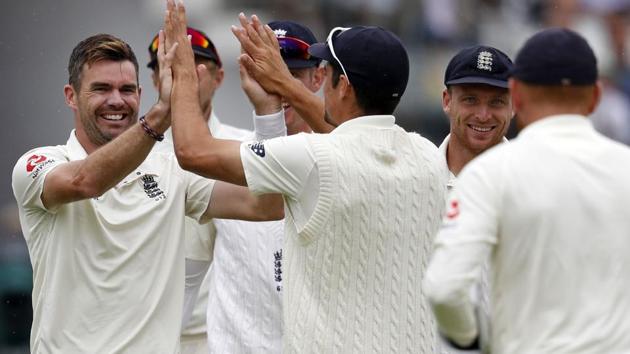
484 61
258 149
280 32
151 188
278 269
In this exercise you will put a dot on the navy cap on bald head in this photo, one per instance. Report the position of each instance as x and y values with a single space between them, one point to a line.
556 56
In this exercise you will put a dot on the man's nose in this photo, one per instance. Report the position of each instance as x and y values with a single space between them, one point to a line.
114 99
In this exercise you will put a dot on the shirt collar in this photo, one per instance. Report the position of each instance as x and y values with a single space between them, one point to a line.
369 122
75 149
555 123
443 148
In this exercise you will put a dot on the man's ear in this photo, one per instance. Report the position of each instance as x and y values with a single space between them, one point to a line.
318 77
446 101
219 74
70 97
597 95
345 88
515 93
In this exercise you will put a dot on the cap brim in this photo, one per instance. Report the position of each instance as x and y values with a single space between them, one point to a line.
301 63
321 51
479 80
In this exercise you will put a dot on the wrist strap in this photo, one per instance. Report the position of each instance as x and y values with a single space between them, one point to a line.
150 132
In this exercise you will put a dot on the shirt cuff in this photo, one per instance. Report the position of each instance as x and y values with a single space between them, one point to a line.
270 125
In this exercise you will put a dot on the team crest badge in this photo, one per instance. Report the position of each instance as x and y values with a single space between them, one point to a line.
484 61
151 188
280 32
278 269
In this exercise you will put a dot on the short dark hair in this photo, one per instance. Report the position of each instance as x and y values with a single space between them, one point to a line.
96 48
370 101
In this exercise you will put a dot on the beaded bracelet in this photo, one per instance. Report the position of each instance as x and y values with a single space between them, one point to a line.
152 133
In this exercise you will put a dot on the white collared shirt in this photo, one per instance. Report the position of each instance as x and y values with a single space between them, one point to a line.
443 148
106 269
550 210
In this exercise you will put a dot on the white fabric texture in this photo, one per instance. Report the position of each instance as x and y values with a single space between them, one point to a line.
244 312
239 301
549 210
480 293
105 268
353 269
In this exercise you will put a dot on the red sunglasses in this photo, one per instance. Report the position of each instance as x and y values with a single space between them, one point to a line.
197 39
293 48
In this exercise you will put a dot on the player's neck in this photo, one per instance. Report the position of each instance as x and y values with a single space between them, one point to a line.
457 156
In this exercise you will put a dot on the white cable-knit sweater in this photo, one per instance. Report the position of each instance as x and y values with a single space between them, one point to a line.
353 281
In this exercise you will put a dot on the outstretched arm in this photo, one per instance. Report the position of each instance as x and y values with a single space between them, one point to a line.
195 148
263 61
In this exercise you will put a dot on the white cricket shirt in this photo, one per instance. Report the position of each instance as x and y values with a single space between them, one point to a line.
106 270
244 283
549 209
480 293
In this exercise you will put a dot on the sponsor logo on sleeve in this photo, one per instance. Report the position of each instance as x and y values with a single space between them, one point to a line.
35 164
453 210
258 148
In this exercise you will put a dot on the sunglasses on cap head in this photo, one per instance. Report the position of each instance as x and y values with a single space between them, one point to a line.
197 39
293 48
334 33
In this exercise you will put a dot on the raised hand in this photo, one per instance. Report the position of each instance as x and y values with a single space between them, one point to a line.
261 56
264 103
175 28
165 59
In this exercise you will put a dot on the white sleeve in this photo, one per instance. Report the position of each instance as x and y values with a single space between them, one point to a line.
269 126
30 173
198 193
195 273
280 165
468 234
199 240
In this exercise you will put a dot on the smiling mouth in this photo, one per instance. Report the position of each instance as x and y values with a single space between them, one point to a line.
113 117
481 129
286 106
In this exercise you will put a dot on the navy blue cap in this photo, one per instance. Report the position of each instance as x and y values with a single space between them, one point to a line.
479 65
556 56
374 59
294 30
